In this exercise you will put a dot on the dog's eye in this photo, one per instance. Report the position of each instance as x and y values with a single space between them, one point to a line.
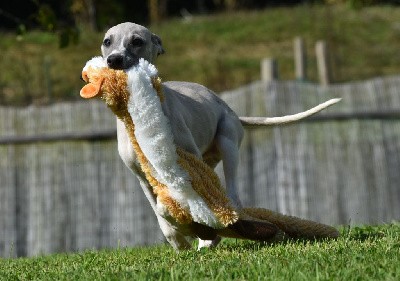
107 42
137 42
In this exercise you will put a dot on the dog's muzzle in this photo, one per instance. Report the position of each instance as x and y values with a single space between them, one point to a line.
115 61
121 62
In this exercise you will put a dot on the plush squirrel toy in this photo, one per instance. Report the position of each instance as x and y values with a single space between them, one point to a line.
188 189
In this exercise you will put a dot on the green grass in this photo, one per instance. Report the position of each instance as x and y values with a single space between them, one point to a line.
221 51
362 253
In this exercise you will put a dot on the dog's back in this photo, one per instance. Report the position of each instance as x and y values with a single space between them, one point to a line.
195 113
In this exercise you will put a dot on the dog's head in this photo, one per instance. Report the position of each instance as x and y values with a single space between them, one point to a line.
125 43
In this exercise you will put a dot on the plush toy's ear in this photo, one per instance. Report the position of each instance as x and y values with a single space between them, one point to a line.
91 90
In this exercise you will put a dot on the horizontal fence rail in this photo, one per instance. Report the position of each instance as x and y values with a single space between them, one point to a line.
372 115
88 136
112 134
63 186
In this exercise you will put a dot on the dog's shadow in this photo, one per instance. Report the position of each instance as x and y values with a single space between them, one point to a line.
232 244
360 234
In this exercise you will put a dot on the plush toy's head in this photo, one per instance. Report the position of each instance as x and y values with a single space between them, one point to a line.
91 75
108 84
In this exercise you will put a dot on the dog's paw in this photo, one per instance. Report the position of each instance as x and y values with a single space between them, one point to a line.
203 244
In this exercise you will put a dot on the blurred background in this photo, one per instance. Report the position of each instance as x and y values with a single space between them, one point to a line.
218 43
62 184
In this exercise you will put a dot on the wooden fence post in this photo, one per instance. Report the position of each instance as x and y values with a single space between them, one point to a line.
47 77
324 69
154 13
269 70
300 59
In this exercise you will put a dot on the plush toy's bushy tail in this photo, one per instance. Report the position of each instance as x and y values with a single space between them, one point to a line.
293 227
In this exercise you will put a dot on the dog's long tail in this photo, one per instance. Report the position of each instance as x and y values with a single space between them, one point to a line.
271 121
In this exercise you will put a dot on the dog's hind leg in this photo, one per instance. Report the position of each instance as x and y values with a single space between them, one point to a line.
229 137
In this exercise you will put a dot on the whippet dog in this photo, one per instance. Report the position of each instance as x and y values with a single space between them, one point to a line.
201 122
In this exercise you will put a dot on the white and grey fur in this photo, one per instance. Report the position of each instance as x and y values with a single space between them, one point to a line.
201 122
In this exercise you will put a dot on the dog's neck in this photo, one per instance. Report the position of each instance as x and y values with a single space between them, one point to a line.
117 100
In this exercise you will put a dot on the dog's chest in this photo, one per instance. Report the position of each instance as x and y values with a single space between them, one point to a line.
125 148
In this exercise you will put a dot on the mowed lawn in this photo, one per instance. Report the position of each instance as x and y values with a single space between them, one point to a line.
361 253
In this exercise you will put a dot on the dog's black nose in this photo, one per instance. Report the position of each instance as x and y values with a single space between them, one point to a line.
115 61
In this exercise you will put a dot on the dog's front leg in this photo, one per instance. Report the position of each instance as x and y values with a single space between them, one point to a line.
209 243
174 238
177 240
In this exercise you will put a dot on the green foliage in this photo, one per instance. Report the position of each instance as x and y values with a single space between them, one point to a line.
362 253
358 4
68 36
221 51
46 17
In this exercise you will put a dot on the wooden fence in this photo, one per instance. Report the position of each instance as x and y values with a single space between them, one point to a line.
64 188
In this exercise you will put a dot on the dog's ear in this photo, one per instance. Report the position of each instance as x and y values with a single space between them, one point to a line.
157 43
